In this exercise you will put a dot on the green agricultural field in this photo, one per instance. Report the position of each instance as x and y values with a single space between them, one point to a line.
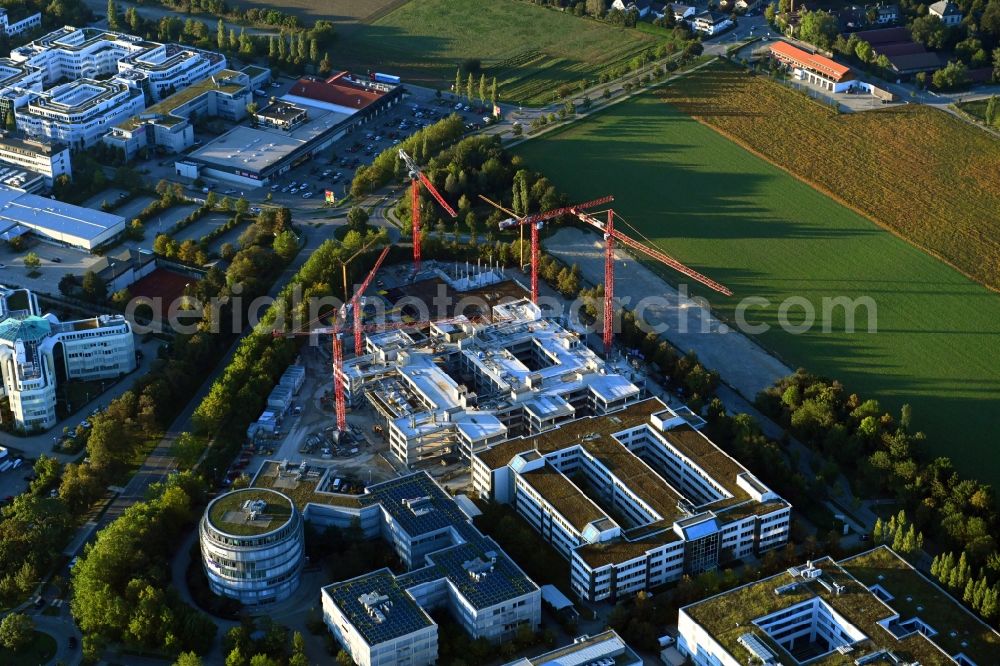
531 50
762 232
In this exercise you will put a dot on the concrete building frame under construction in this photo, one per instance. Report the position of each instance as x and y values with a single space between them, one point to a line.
465 386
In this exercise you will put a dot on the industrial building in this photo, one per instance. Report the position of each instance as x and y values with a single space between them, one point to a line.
634 499
86 228
871 608
252 546
37 352
381 617
73 85
467 386
316 113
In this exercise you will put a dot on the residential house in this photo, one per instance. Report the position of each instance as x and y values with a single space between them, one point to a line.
711 23
886 14
948 12
682 12
640 7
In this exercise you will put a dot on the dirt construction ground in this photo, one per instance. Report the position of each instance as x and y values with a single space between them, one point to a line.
741 362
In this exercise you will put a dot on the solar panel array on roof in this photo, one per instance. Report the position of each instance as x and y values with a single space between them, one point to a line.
478 568
378 606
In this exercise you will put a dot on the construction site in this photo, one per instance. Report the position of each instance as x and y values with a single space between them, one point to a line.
447 360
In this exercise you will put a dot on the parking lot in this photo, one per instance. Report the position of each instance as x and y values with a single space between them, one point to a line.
57 260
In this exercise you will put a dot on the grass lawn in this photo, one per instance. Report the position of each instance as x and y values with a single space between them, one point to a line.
977 109
761 232
38 652
531 50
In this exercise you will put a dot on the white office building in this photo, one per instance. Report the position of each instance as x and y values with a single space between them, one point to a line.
634 499
78 113
465 386
871 608
37 352
252 546
11 28
106 77
50 159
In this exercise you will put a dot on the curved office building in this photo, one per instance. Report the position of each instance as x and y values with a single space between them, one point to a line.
252 545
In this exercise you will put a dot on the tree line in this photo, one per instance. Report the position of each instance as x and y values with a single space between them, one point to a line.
880 455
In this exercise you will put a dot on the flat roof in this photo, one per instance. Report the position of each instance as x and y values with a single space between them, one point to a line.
606 647
50 214
302 489
728 616
256 149
226 514
396 613
571 503
814 61
165 107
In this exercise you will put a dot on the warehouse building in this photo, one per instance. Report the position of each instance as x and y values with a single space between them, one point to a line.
467 386
316 113
634 499
37 352
381 617
85 228
871 608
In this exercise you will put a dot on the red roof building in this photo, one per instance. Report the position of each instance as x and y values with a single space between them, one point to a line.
814 68
342 92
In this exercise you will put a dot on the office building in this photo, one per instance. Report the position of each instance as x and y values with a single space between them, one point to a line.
468 385
252 546
11 28
383 618
80 112
167 124
606 648
37 352
633 499
49 159
873 608
79 83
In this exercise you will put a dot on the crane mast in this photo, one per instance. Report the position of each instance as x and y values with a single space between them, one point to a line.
607 228
417 178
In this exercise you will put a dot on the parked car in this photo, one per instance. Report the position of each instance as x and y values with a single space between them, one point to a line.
307 195
71 642
56 260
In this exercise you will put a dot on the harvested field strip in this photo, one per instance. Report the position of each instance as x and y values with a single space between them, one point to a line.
923 174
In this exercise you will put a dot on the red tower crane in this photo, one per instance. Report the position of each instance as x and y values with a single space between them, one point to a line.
416 178
535 221
335 330
355 302
610 236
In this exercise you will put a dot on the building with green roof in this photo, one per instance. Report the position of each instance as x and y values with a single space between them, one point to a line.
870 608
